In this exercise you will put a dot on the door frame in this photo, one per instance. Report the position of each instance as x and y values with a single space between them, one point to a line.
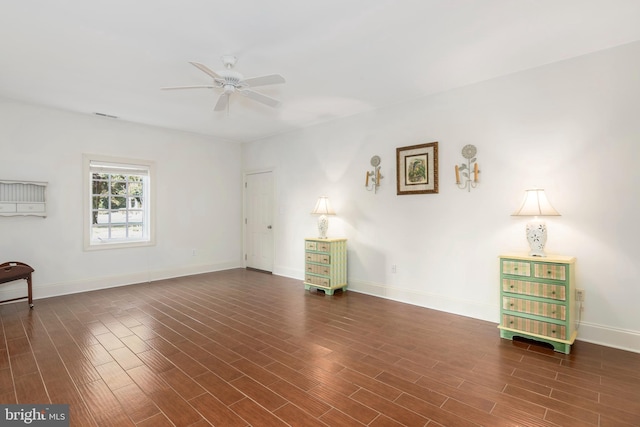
244 212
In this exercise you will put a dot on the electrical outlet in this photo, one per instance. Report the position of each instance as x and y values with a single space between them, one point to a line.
194 252
580 295
393 268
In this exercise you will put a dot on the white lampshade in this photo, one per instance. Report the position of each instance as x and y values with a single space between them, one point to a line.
323 208
535 204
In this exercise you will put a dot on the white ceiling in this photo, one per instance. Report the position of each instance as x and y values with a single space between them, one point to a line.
339 57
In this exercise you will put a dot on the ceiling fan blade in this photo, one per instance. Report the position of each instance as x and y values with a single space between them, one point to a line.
272 102
188 87
222 102
205 69
271 79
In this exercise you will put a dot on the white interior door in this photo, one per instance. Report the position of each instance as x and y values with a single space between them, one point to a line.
259 221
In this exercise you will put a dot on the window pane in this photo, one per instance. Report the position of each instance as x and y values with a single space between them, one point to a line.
118 217
99 233
118 188
135 203
101 217
135 217
118 202
135 188
100 187
135 231
100 202
99 176
118 231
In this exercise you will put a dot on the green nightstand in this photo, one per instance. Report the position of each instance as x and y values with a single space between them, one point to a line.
325 264
537 299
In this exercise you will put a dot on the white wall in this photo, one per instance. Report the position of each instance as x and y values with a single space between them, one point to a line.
572 128
198 206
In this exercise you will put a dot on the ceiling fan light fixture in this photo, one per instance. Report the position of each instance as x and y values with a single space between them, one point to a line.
231 81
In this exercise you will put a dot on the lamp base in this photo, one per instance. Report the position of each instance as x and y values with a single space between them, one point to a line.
537 238
323 226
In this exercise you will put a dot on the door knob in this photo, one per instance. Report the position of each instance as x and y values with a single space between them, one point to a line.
269 227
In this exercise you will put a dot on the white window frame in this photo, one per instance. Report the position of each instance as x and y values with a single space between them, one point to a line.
124 166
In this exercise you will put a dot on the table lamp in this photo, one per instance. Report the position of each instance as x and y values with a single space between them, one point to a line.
535 204
323 208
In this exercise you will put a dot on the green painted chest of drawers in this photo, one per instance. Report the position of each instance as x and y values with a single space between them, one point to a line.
537 299
325 264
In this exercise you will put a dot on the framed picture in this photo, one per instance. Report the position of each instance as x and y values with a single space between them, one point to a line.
417 167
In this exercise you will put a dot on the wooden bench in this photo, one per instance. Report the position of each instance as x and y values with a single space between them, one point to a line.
14 270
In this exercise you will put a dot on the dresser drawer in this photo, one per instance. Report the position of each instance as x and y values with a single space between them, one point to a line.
317 246
543 290
318 269
516 268
550 271
553 311
7 207
320 281
321 258
535 327
30 207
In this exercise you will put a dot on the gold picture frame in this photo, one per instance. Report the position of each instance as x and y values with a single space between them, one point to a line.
417 169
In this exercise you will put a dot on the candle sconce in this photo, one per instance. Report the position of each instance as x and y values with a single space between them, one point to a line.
468 152
373 177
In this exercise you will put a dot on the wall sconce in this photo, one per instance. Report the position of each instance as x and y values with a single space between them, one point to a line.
373 177
468 152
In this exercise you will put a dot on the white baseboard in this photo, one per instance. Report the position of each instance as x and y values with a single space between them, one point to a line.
460 306
288 272
18 289
597 334
623 339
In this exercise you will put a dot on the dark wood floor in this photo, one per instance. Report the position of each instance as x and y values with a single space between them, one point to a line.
240 348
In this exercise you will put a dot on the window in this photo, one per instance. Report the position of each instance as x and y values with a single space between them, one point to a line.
118 209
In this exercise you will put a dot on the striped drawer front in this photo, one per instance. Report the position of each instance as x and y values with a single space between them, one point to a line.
310 246
322 258
324 247
554 311
535 327
318 269
550 271
516 268
544 290
321 281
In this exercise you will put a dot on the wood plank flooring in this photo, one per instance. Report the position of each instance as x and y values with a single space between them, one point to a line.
240 348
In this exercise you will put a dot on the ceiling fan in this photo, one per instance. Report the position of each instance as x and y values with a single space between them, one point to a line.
231 81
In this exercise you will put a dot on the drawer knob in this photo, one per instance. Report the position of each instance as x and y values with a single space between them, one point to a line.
548 271
511 305
553 293
515 268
